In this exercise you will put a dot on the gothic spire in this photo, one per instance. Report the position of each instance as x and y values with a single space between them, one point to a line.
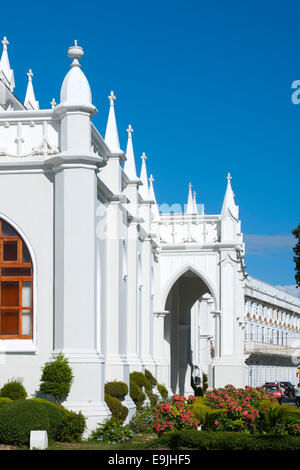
152 197
229 205
111 134
195 208
30 101
129 166
144 189
6 73
190 204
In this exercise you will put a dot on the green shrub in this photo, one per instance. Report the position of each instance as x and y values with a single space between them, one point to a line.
212 416
118 411
111 432
163 391
140 379
14 390
201 409
137 395
4 401
152 397
228 441
54 415
150 378
72 426
142 421
57 378
116 389
20 417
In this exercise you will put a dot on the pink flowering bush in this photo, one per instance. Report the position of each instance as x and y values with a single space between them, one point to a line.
175 414
240 405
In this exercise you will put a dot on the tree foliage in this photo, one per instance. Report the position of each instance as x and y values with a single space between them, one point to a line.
57 378
296 233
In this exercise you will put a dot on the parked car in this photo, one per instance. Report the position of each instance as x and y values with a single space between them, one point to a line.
289 389
274 390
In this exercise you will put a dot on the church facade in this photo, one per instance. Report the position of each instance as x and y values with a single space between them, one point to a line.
91 268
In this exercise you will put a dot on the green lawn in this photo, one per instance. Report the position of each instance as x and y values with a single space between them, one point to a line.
140 441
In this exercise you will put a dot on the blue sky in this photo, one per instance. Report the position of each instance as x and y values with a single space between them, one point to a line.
207 89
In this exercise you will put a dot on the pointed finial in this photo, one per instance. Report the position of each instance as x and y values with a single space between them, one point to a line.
75 52
5 43
229 203
151 179
53 103
112 98
144 156
194 194
130 131
29 75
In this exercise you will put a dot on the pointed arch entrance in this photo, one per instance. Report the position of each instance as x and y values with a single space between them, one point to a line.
184 291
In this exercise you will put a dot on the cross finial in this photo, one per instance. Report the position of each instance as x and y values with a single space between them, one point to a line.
229 177
190 185
5 43
129 130
53 103
112 98
194 194
30 75
144 157
151 179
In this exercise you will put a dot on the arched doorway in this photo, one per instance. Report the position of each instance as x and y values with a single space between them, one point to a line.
187 289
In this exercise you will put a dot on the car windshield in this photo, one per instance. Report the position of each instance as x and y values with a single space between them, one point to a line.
271 388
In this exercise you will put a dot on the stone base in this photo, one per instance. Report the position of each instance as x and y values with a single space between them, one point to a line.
95 413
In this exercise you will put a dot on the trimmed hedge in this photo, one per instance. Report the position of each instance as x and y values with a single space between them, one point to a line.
14 390
205 440
152 397
20 417
118 411
116 389
205 413
4 401
55 416
140 379
150 378
163 391
57 378
72 426
136 393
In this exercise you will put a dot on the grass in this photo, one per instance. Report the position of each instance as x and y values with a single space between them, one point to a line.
139 442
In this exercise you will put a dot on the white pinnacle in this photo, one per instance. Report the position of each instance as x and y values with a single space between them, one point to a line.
229 203
144 190
129 166
6 73
30 101
152 197
111 134
195 210
190 203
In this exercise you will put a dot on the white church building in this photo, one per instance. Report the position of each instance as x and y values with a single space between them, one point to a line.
91 268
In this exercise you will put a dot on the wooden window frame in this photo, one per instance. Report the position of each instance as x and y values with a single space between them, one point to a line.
16 278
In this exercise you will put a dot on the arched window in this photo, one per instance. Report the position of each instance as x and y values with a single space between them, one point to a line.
15 285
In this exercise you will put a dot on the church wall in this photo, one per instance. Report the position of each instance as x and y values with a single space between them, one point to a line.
27 203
